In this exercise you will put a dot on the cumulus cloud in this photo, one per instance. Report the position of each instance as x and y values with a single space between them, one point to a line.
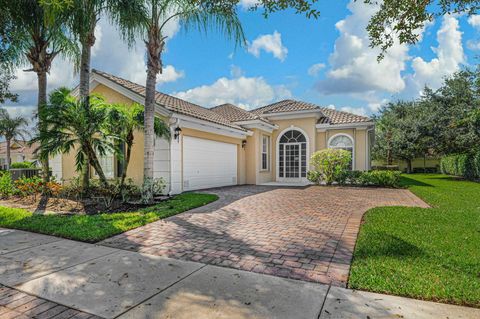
353 64
449 57
271 43
247 4
315 69
474 20
246 92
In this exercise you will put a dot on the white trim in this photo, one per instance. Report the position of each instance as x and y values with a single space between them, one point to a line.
258 124
206 126
353 145
362 125
293 115
277 153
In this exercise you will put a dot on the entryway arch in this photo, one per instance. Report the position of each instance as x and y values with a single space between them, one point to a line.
292 155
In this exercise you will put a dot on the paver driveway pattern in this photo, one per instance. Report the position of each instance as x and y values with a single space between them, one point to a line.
300 233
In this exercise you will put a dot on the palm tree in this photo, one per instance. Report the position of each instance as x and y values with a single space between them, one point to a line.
38 39
130 118
12 128
71 126
192 14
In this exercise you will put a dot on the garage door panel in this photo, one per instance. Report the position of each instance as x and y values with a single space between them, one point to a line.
208 163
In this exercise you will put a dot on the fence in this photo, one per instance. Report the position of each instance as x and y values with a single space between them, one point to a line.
18 173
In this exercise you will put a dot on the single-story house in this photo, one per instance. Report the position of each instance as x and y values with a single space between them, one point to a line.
227 145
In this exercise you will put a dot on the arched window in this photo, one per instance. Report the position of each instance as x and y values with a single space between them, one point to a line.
292 155
343 142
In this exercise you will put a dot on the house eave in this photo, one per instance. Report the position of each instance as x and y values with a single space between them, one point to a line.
206 126
359 126
293 115
258 124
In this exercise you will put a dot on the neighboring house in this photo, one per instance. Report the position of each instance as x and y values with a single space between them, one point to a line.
227 145
20 151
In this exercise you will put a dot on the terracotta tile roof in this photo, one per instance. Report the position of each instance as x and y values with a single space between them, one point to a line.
236 114
172 103
340 117
329 116
286 106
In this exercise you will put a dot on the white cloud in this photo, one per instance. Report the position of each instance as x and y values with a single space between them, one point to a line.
247 4
449 57
473 45
271 43
474 21
315 69
236 71
354 66
246 92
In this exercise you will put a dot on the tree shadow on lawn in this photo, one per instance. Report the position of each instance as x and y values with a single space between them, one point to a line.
406 182
383 244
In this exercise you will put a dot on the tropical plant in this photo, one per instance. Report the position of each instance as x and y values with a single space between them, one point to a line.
330 162
24 164
131 119
73 127
36 38
5 78
12 128
6 184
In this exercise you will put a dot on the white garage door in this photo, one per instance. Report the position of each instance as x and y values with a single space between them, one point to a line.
208 163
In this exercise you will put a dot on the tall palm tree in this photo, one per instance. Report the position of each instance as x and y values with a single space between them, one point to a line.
201 15
131 119
12 128
83 16
70 126
38 39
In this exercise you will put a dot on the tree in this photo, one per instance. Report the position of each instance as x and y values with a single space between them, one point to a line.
71 127
5 77
400 133
123 121
12 128
403 19
35 38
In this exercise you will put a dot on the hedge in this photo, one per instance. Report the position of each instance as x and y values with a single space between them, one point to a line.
465 165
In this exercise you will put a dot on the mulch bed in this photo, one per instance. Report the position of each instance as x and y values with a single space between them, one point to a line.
64 206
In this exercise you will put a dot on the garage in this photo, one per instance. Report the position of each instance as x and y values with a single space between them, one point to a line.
208 164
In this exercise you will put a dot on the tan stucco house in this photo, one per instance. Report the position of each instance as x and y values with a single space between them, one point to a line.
226 145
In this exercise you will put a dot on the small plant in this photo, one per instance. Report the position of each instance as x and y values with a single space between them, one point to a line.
6 185
150 188
380 178
329 163
314 177
28 186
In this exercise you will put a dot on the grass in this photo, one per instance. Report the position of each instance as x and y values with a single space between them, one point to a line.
431 254
93 228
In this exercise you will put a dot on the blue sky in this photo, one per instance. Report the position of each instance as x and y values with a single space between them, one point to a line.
326 61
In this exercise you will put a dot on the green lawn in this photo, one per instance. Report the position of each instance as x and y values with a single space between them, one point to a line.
93 228
431 254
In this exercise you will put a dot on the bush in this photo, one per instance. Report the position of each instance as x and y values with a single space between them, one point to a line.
465 165
25 164
314 177
380 178
329 163
349 177
6 185
28 186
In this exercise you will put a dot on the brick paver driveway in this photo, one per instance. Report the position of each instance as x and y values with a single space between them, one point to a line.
301 233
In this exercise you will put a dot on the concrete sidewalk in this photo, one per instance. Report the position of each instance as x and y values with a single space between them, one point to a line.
112 283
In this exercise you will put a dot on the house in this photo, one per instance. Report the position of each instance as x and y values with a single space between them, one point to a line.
227 145
20 151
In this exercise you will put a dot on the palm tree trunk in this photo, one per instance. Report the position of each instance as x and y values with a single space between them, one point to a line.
93 160
8 154
149 117
42 101
84 90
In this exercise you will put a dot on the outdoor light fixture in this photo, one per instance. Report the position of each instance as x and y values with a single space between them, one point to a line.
244 143
176 135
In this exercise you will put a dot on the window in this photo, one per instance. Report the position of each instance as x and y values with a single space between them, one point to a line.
343 142
107 163
292 155
265 152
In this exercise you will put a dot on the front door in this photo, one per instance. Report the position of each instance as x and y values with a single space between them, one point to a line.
291 159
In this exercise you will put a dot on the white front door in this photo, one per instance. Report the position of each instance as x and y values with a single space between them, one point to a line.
208 164
290 161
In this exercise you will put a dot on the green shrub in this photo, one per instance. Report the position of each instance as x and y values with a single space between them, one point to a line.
348 177
314 177
330 163
6 185
25 164
27 186
379 178
465 165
